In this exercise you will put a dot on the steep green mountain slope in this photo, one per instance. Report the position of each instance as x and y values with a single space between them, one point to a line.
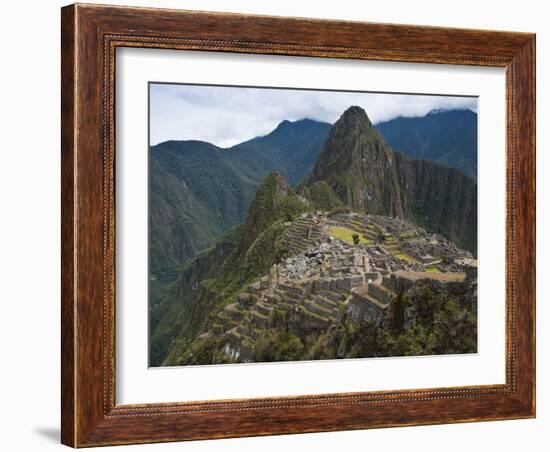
442 200
172 314
368 176
445 137
214 278
187 212
357 164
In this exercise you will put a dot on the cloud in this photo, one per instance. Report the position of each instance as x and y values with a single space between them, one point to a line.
229 115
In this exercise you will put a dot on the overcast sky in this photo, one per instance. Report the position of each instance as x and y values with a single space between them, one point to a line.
226 116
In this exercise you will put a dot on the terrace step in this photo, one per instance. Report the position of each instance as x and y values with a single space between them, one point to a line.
312 306
256 333
314 318
371 235
301 229
222 318
289 298
233 311
264 309
332 296
375 301
243 329
380 292
297 291
325 302
254 288
392 248
259 319
408 235
248 343
231 324
273 298
217 328
235 335
358 223
239 336
288 306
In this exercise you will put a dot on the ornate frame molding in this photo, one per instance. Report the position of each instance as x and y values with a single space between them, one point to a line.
90 37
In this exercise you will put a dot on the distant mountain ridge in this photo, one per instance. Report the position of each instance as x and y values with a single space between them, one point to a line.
448 137
291 148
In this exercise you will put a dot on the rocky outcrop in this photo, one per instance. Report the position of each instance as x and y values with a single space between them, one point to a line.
369 176
264 208
359 166
441 199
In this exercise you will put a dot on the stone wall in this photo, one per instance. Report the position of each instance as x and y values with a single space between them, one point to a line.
362 309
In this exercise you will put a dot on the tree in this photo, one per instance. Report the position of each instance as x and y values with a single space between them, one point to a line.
275 345
355 238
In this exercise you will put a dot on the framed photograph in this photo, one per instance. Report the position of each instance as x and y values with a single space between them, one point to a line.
281 225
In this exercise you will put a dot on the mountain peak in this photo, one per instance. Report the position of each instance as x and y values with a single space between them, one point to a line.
286 124
355 113
275 179
359 166
264 207
354 110
284 127
353 120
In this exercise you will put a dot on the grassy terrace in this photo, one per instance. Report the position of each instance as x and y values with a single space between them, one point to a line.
407 236
391 245
390 242
406 257
433 270
346 235
445 277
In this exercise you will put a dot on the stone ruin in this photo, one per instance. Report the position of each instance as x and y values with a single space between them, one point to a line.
324 278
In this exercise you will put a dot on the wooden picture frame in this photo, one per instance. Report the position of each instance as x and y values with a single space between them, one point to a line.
90 36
